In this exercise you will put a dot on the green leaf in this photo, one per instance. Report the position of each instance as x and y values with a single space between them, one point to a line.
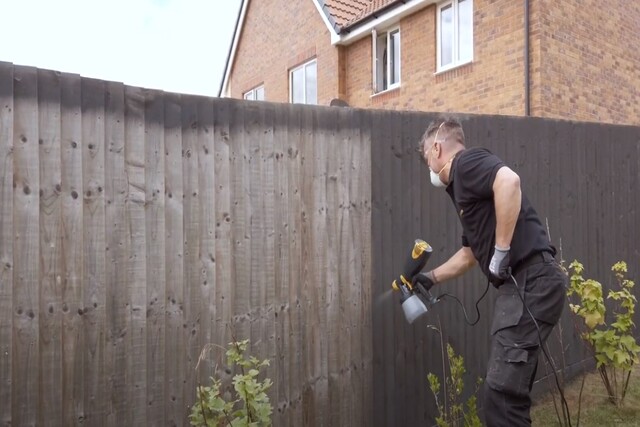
593 319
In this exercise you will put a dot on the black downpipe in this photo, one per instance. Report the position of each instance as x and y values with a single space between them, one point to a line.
527 83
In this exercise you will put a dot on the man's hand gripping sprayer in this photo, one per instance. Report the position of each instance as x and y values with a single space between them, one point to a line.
415 297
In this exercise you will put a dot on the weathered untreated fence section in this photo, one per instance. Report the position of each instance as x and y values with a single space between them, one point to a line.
137 226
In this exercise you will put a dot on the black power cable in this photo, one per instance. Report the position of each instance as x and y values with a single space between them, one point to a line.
466 318
565 405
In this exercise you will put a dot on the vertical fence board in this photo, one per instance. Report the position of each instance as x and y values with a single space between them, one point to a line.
412 126
26 346
155 247
205 291
225 157
191 234
94 279
340 303
381 308
174 340
591 206
255 229
416 126
319 276
309 343
272 301
364 361
561 223
403 227
352 241
6 239
281 271
118 326
50 403
135 202
223 245
348 242
262 285
336 287
361 317
73 349
295 218
398 325
241 220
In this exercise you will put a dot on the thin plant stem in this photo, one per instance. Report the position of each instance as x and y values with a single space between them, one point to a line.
615 385
626 384
584 376
444 372
202 406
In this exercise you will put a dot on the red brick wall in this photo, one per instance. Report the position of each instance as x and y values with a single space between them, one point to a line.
493 83
277 36
585 60
591 60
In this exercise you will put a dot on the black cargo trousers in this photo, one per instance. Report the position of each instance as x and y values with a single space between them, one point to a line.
515 345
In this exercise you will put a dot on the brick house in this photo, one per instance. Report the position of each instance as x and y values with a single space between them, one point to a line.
572 59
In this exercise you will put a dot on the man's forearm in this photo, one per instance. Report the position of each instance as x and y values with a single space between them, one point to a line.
507 198
461 262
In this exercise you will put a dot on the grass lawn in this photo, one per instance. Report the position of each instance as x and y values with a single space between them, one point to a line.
596 410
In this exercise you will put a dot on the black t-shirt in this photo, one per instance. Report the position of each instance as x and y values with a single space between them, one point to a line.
471 189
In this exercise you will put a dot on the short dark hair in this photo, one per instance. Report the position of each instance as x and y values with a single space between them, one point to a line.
450 128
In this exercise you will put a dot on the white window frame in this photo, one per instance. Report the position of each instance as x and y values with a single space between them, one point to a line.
374 35
304 81
456 62
252 95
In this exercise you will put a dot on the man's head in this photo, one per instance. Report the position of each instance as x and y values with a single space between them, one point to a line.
439 144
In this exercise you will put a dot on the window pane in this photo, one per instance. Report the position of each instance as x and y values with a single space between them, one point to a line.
381 62
395 57
311 83
465 25
249 95
260 93
297 86
446 35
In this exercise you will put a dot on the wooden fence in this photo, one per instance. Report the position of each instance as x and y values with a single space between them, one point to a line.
583 180
137 226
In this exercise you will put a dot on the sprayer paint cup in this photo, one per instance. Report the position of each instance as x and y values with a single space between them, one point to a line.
413 308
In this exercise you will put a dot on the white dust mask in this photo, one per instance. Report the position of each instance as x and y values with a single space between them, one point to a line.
435 179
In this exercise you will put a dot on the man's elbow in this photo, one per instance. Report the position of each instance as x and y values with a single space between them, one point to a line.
469 258
514 180
471 262
508 180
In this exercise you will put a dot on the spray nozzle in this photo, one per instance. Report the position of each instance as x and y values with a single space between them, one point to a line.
416 299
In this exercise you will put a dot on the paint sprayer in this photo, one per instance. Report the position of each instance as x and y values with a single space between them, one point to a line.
414 297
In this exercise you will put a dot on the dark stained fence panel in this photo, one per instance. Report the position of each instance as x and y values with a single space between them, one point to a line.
581 178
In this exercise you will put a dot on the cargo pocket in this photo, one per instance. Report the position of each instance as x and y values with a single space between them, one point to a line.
513 365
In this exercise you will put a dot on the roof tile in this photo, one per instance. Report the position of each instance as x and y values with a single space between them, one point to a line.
349 12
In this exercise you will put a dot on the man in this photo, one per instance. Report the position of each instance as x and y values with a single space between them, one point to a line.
503 234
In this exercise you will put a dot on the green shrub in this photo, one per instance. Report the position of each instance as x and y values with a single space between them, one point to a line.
251 405
615 348
450 408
